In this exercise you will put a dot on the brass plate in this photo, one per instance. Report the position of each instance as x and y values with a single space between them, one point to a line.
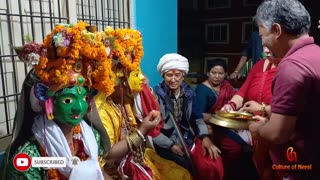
229 123
235 115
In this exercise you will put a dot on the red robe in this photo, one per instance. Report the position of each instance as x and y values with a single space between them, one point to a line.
257 87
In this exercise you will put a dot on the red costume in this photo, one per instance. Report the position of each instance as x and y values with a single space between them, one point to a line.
257 87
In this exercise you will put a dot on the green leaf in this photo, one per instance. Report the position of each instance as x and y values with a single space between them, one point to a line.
27 38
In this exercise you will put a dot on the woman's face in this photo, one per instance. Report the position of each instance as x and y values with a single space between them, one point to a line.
268 39
216 75
267 52
71 105
136 80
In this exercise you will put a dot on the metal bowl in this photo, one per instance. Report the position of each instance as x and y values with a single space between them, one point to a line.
236 115
232 119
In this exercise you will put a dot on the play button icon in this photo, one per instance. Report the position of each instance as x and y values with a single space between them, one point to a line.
22 162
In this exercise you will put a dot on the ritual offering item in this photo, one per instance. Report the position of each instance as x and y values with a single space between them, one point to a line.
232 119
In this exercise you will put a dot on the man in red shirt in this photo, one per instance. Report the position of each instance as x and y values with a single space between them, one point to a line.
291 128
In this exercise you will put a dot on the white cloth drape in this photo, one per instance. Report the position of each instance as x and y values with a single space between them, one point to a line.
50 137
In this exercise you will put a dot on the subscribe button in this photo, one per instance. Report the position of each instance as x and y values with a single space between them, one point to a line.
23 162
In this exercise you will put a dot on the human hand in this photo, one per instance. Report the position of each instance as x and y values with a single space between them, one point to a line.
150 121
227 107
254 126
235 75
210 148
252 106
177 149
210 129
206 116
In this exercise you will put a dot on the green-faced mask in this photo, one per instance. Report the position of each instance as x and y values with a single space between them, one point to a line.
70 105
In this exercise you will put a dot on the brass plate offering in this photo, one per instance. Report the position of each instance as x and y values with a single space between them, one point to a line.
232 119
236 115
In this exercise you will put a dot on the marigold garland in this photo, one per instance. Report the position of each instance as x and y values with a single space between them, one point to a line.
83 43
126 41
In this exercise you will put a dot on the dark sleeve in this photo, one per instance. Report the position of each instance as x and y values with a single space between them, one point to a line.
12 173
197 117
162 140
248 49
205 100
196 112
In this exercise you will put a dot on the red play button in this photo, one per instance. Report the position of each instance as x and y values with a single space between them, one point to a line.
22 162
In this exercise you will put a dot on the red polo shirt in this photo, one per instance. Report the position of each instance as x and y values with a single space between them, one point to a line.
296 92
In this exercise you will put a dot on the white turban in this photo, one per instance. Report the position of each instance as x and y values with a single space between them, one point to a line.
173 61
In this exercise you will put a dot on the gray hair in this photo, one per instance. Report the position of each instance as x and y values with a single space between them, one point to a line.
290 14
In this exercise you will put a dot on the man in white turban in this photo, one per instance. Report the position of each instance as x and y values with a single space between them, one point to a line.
183 121
173 61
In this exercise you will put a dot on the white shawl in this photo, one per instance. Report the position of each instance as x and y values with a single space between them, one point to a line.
57 146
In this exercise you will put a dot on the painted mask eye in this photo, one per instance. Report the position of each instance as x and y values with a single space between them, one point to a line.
86 98
67 101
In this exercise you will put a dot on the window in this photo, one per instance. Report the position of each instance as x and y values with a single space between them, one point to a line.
215 4
189 4
207 60
104 13
247 29
37 18
217 33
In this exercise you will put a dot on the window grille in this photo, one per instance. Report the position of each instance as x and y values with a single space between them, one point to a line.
36 18
217 33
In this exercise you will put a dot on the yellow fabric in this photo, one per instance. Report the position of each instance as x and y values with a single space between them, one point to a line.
110 117
167 169
156 173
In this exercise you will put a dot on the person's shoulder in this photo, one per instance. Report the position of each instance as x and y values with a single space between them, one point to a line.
187 89
255 33
185 85
286 68
202 87
159 89
227 83
156 87
259 64
99 98
30 148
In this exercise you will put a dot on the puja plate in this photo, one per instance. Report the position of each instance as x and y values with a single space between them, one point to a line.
236 115
232 119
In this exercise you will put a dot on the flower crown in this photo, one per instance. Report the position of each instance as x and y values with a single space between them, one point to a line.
71 55
124 42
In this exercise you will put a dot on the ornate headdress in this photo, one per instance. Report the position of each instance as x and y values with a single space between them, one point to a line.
124 42
70 55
